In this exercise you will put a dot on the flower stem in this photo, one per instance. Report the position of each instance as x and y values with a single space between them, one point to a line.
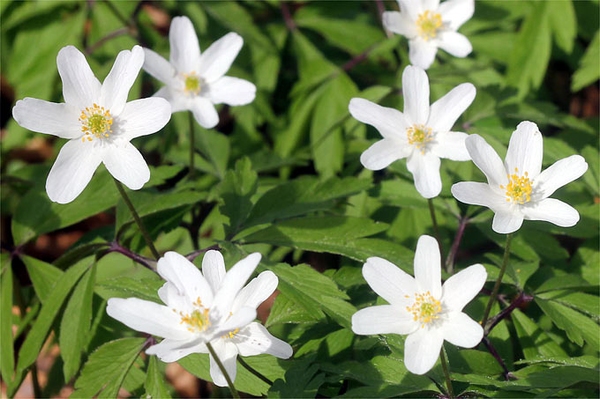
192 145
463 221
137 219
436 230
253 371
446 373
496 288
234 392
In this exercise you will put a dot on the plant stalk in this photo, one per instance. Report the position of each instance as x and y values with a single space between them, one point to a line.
446 373
192 145
496 288
436 230
137 219
234 392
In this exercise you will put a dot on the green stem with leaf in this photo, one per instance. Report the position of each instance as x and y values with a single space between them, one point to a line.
496 288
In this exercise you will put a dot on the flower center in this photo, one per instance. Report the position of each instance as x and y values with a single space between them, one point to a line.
425 309
419 136
96 121
198 320
428 24
231 334
192 83
518 189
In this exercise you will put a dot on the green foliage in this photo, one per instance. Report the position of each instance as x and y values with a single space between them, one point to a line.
282 176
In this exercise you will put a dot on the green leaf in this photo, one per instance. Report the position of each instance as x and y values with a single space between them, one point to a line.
531 52
314 292
107 367
585 303
588 71
41 327
99 195
7 361
302 380
563 23
313 66
578 327
301 196
237 189
75 324
43 276
533 340
126 287
215 147
155 384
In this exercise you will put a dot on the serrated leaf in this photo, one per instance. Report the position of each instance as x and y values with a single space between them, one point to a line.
301 196
75 324
237 189
314 292
585 303
302 380
7 361
578 327
41 327
155 384
50 216
107 367
533 340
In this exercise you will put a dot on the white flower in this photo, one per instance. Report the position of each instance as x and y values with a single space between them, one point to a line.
421 307
421 134
97 120
208 306
195 81
429 25
516 189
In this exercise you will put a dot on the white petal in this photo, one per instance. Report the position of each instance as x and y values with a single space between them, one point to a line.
455 43
428 266
232 91
462 287
411 8
487 160
204 112
254 339
227 353
507 222
158 67
127 165
415 88
557 175
383 319
525 150
400 23
426 172
80 87
74 167
456 12
234 280
382 153
185 49
451 145
186 277
446 111
257 291
479 194
169 350
217 59
213 269
178 100
430 4
120 79
388 280
389 122
147 317
143 117
421 53
422 349
461 330
50 118
553 211
240 319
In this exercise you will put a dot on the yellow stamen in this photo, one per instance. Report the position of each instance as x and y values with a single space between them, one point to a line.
198 320
518 189
231 334
428 24
425 309
419 136
192 83
96 121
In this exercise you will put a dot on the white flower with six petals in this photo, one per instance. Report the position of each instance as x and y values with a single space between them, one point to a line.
211 305
516 190
421 307
97 120
196 81
421 134
429 25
